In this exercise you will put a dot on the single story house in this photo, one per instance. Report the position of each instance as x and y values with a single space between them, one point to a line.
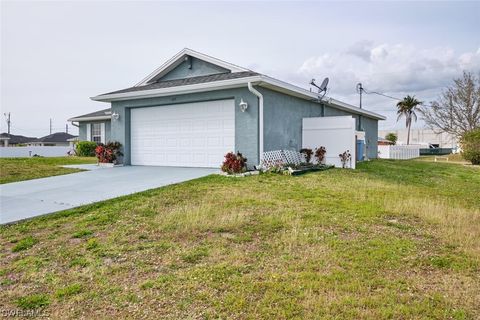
384 142
55 139
194 109
13 140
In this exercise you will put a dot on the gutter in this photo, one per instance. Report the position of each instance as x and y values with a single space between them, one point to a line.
260 119
90 118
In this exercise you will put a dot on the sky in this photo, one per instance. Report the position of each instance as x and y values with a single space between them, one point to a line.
56 55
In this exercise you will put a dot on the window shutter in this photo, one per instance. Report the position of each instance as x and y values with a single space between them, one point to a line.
89 132
102 132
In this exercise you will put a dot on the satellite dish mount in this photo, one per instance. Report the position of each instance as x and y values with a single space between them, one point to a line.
322 89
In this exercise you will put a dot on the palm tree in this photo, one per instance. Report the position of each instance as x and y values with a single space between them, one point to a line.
406 108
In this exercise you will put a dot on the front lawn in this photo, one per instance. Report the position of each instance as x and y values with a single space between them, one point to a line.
393 239
19 169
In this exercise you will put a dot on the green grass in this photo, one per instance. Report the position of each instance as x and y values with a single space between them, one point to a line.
19 169
24 244
34 301
391 240
69 290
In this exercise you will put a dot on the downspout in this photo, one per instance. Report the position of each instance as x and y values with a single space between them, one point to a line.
260 119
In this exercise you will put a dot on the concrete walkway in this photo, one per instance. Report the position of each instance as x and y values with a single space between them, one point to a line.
27 199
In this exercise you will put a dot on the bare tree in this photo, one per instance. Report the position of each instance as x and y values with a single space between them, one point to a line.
458 109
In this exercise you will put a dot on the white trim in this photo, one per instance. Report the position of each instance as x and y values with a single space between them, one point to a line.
178 58
89 132
90 118
102 132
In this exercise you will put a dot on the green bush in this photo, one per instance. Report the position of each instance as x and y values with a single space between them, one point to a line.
470 143
86 148
392 137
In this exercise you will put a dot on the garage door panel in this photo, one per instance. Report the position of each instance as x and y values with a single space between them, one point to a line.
194 134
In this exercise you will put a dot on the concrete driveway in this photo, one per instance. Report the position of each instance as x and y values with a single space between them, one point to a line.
27 199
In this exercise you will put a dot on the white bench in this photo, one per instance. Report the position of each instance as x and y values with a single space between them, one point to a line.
281 157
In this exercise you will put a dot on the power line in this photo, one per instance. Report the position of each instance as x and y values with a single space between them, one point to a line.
380 94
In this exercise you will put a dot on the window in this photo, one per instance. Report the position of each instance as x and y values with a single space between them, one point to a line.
97 132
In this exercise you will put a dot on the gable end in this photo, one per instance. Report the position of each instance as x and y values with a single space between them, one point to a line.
190 67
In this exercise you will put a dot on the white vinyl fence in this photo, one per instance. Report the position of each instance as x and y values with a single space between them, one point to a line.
19 152
336 134
398 152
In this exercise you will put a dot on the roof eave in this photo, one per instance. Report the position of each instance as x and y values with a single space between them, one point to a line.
80 119
192 88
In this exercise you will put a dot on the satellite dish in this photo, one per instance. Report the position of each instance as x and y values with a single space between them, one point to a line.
323 86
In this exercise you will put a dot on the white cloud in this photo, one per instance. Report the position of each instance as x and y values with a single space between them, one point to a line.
389 68
393 69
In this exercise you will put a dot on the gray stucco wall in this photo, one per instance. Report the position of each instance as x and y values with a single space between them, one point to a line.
370 127
283 116
82 130
333 112
199 68
246 123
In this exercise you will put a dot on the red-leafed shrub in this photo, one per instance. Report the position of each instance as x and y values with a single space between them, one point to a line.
234 163
108 153
307 153
320 154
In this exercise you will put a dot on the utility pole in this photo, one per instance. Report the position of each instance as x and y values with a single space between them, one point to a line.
66 128
360 91
50 125
7 118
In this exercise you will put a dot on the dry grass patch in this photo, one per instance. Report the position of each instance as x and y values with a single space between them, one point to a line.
459 226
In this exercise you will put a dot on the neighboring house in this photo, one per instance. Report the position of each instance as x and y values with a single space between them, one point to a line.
4 141
195 108
94 126
423 137
384 142
13 140
55 139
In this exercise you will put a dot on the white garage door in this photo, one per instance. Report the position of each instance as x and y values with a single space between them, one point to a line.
185 135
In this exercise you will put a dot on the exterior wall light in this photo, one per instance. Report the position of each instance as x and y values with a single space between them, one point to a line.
243 105
115 116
